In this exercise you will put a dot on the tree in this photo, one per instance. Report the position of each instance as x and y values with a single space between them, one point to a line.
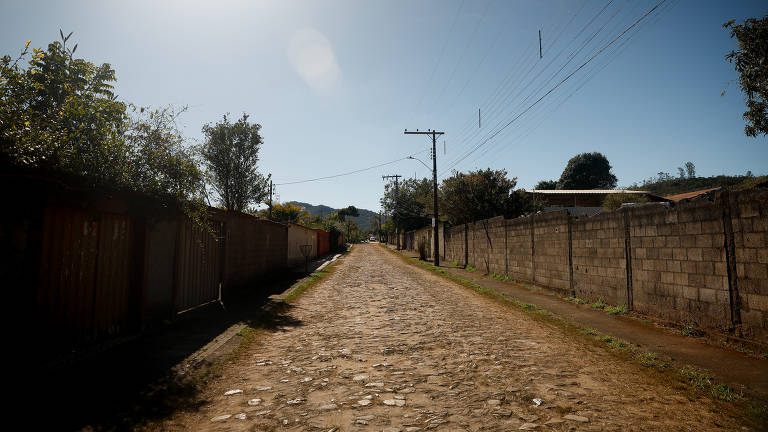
60 114
546 185
410 209
751 62
288 212
690 169
587 171
231 156
482 194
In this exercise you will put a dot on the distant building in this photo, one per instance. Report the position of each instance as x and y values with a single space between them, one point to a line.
587 202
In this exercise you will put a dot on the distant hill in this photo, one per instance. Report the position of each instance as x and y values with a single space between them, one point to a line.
682 185
363 221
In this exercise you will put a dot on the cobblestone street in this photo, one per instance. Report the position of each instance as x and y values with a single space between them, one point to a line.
382 345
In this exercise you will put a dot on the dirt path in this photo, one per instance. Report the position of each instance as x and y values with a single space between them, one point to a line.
381 345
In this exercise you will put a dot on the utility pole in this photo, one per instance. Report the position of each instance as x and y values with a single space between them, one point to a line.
396 213
435 223
270 199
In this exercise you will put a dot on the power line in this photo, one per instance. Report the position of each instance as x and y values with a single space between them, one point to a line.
494 134
350 172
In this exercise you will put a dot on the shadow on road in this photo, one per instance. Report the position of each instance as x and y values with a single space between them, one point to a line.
124 387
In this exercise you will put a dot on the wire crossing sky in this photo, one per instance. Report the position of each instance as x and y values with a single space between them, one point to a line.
335 83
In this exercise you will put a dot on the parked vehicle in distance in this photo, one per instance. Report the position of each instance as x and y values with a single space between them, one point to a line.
372 239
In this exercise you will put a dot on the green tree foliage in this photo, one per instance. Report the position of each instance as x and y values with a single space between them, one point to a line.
751 62
482 194
231 155
59 116
288 212
587 171
614 201
546 185
413 203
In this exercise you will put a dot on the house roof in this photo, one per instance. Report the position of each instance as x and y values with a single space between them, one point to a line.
585 191
689 195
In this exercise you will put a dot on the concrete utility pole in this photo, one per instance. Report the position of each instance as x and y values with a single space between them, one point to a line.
435 223
397 198
270 200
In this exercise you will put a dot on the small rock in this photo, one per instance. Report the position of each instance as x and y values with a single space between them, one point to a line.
240 416
494 402
263 388
307 379
261 413
392 429
407 390
221 418
576 418
367 417
296 401
361 422
537 401
253 402
328 407
528 426
232 392
360 378
394 402
376 384
363 402
399 397
412 429
554 421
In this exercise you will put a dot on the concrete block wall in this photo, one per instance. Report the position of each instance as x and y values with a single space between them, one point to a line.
703 261
599 262
550 254
519 257
679 268
749 219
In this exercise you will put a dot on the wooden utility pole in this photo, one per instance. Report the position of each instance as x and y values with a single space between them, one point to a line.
435 223
396 212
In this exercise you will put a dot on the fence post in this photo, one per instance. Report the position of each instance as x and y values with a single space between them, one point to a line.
506 249
570 255
628 260
466 245
729 243
533 250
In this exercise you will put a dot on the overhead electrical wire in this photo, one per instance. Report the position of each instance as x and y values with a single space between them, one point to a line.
350 172
566 78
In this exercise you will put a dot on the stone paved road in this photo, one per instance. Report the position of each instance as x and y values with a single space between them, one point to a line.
385 346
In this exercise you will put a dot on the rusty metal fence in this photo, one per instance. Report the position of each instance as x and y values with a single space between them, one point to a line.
199 265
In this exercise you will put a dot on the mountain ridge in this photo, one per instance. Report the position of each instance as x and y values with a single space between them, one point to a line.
363 221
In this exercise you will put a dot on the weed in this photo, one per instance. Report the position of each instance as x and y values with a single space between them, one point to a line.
471 269
501 277
606 339
530 306
724 393
589 331
576 300
689 329
600 304
619 343
455 263
648 359
696 377
617 310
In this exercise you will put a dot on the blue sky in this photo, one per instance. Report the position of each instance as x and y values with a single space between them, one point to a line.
335 83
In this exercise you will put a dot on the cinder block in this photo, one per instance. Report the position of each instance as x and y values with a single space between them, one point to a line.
694 254
757 301
756 271
707 295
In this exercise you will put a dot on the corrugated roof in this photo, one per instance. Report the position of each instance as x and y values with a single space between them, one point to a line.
585 191
689 195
